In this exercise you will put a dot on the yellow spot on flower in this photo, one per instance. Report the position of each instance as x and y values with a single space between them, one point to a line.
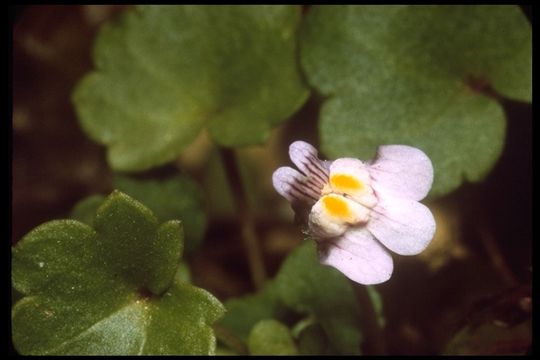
344 183
336 206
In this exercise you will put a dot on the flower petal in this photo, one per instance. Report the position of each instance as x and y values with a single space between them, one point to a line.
358 256
305 157
402 225
332 214
351 176
294 187
401 171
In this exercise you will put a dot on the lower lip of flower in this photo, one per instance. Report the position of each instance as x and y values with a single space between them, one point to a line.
334 213
336 206
342 209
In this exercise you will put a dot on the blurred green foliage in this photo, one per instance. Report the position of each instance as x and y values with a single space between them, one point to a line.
166 72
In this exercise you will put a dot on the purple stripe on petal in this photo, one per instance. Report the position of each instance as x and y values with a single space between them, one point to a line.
305 157
293 186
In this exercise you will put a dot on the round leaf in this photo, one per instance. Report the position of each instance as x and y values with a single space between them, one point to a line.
418 75
270 337
166 72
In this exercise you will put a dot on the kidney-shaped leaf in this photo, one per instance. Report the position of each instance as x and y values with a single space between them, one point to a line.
110 289
418 75
166 72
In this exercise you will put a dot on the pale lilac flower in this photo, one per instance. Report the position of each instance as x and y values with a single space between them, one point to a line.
358 211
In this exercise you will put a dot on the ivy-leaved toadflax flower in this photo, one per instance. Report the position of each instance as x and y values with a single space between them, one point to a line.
357 211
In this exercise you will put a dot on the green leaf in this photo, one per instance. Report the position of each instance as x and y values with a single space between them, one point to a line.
180 322
183 274
85 210
303 286
134 247
313 341
307 286
163 73
174 197
418 75
244 312
270 337
108 289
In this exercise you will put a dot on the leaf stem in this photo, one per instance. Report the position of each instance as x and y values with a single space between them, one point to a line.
249 236
302 325
495 255
373 343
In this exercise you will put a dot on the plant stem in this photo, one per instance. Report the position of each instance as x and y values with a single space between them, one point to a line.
249 236
495 255
373 343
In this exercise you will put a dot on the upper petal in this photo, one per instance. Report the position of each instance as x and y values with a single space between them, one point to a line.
351 176
401 171
305 157
294 186
358 256
402 225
